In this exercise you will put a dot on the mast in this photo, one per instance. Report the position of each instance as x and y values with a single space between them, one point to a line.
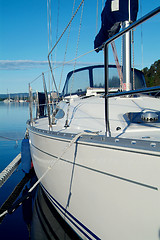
127 53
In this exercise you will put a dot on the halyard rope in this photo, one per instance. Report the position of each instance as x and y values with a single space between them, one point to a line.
58 42
66 124
66 49
66 27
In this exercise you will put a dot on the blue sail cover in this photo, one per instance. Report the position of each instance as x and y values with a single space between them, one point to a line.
114 12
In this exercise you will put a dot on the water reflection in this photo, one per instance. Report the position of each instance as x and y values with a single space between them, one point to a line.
13 119
45 222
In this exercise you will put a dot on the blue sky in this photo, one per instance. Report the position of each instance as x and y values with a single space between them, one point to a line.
24 38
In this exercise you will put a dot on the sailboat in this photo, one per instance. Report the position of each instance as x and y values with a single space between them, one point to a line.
8 100
97 156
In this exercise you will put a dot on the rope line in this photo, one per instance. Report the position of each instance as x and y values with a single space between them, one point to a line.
57 31
134 86
58 158
68 62
141 34
11 139
66 27
52 164
66 49
49 32
7 206
58 42
97 18
37 78
66 124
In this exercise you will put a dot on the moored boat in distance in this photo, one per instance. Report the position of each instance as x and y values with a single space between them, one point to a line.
7 100
96 149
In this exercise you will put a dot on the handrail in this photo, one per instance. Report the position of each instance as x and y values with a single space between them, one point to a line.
132 92
105 46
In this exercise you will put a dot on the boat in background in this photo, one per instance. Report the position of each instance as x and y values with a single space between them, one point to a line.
97 152
8 100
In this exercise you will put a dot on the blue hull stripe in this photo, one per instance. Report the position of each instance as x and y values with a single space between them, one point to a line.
64 211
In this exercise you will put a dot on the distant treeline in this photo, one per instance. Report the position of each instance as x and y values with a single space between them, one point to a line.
14 96
152 77
152 74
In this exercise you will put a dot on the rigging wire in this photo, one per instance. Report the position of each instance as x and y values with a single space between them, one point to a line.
57 31
97 18
54 97
12 139
66 47
66 27
49 25
36 78
48 33
121 52
141 34
119 68
58 42
68 62
102 4
133 59
97 14
80 24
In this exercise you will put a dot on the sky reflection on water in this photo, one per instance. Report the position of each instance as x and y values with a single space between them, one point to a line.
13 117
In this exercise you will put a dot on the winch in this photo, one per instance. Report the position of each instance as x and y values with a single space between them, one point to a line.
149 117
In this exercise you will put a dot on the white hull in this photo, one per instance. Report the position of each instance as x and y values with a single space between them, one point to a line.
101 183
97 154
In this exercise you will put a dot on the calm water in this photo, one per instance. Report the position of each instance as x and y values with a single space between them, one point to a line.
13 118
38 215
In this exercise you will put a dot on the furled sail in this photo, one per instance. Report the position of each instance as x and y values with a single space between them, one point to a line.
115 12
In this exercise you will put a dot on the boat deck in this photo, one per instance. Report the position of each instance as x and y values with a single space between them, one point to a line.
88 114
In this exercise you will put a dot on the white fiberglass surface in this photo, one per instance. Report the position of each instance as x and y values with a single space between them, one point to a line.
88 114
